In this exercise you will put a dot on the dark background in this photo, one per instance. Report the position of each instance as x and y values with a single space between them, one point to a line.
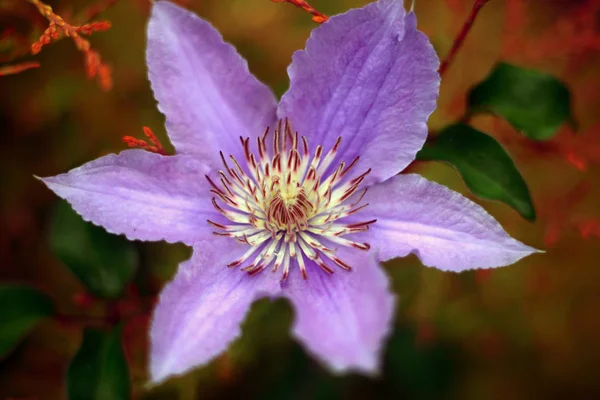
526 331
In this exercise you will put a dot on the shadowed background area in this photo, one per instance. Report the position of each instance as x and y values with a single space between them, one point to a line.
526 331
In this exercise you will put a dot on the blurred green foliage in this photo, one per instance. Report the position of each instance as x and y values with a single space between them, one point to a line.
103 262
423 371
21 308
487 169
534 103
99 370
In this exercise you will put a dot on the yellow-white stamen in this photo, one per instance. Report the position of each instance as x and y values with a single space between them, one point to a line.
283 206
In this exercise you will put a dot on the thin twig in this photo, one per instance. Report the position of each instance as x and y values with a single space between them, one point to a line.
458 42
317 17
58 26
17 68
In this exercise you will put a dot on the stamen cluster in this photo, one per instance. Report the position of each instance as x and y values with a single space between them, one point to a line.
284 207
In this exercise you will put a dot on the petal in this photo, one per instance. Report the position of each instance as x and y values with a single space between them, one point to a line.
444 229
143 195
200 311
370 77
203 86
343 318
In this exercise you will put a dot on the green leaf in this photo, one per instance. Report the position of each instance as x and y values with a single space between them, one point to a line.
534 103
21 308
488 171
105 263
420 371
99 370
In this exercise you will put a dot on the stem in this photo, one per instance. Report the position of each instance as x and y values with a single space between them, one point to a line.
318 17
17 68
458 41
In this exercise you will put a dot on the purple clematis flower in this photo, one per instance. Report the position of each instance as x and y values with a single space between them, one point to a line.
273 198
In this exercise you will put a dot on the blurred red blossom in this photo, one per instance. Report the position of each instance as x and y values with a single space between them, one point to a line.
483 275
559 214
575 32
82 300
578 149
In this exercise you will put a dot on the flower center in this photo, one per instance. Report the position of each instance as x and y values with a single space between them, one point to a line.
285 207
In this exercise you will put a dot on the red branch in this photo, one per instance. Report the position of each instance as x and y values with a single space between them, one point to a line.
58 26
318 17
459 40
154 146
16 68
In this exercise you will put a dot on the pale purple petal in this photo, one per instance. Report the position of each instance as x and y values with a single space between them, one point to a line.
143 195
444 229
200 311
343 318
203 86
370 77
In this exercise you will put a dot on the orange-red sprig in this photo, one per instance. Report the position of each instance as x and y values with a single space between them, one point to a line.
154 146
318 17
50 35
16 68
95 68
98 26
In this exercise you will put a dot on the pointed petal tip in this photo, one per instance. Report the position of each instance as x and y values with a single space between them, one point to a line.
367 365
411 20
48 182
142 195
444 229
345 320
159 374
522 250
198 314
53 183
157 378
330 74
162 9
169 369
180 43
164 5
512 256
363 361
